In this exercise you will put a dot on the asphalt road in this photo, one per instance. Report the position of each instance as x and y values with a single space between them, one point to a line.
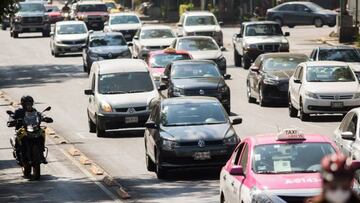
26 67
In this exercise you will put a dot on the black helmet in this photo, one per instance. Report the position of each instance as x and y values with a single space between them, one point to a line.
26 99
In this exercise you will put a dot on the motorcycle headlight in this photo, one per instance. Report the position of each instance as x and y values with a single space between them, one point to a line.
231 137
178 91
311 95
105 107
271 81
167 143
223 89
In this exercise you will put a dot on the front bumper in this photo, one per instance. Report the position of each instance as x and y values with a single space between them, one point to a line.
311 105
184 156
277 92
111 121
65 48
26 28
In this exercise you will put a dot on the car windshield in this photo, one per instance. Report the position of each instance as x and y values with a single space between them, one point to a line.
71 29
282 63
329 74
110 5
295 157
32 7
52 9
194 70
161 60
263 30
122 83
156 33
125 19
92 8
186 114
346 55
107 40
197 44
200 20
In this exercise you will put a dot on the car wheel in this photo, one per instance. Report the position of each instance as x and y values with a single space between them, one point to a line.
303 116
56 53
15 34
279 21
85 68
150 165
237 58
100 132
331 25
248 93
46 33
246 62
293 112
92 126
261 98
160 171
318 22
222 198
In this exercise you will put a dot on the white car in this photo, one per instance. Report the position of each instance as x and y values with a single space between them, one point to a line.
200 23
68 37
201 48
126 23
152 38
323 87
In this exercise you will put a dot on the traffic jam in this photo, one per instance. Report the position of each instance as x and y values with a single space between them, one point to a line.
171 81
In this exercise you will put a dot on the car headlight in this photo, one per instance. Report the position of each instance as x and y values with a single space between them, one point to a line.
251 46
94 55
18 18
167 142
311 95
357 95
178 91
271 81
105 107
223 89
231 137
58 41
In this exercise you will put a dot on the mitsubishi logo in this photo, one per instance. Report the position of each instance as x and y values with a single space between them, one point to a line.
110 55
201 143
201 92
131 110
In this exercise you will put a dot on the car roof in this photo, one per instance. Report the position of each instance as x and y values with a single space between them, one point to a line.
271 138
192 61
189 100
124 14
195 37
297 2
100 34
335 47
325 63
283 54
122 66
260 22
154 27
90 2
195 13
70 22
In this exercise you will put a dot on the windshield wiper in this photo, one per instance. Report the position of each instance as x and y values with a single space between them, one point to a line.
114 92
135 91
266 172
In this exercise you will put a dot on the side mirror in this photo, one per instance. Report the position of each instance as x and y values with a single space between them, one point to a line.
164 78
179 24
298 81
223 49
47 108
348 136
52 34
237 171
162 87
136 37
88 92
221 23
48 120
130 44
239 35
91 31
287 34
227 76
254 68
236 120
151 125
10 112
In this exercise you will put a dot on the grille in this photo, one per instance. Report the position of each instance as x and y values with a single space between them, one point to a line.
294 199
284 87
196 92
210 34
269 47
336 97
140 108
207 143
72 42
32 20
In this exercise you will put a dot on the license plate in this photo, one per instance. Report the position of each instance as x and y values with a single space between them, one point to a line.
74 49
32 29
202 155
337 104
127 36
94 25
131 119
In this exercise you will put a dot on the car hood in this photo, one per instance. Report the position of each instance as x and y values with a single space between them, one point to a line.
128 100
281 74
297 181
198 83
355 66
333 87
202 28
92 13
30 14
265 39
157 42
109 49
194 133
125 26
201 55
72 37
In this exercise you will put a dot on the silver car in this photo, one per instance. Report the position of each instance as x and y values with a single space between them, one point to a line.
120 91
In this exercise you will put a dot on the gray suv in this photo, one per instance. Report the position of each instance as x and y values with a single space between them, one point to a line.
30 17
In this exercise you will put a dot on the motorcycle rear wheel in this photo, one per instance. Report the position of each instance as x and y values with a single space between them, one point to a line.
26 170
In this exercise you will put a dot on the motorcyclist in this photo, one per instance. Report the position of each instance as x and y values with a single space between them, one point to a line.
66 8
27 103
337 177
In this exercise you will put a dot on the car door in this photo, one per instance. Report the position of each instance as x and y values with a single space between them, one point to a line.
348 124
304 15
254 76
239 189
153 134
136 44
294 87
92 102
287 13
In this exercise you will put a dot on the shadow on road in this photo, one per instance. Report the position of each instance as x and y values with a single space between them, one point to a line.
326 118
38 75
7 164
125 134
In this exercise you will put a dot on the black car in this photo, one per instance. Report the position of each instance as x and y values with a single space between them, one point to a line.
102 46
188 132
301 13
196 78
346 54
268 78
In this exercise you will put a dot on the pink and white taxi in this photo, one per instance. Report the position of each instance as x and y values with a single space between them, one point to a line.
285 165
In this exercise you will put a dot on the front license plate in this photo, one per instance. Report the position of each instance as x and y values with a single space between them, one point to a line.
202 155
32 29
131 119
74 49
337 104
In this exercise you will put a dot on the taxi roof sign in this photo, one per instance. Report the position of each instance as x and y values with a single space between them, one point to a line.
290 134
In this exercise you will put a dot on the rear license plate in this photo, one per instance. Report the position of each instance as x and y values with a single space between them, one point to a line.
94 25
131 119
337 104
202 155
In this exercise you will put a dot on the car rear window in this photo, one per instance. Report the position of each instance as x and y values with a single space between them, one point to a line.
71 29
108 40
126 19
161 60
346 55
197 44
156 33
200 20
282 63
194 70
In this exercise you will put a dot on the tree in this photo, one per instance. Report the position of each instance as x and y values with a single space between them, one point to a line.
7 6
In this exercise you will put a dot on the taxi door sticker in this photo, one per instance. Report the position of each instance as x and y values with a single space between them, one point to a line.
282 166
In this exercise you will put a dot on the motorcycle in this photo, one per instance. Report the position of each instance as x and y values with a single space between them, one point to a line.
30 138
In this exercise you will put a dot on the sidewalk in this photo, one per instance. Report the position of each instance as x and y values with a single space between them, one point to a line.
334 41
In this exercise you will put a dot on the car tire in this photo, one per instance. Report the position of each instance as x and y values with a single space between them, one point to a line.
246 62
261 98
248 93
56 53
160 171
293 112
331 25
46 33
100 132
303 116
85 69
318 22
279 21
92 126
237 58
15 34
3 27
150 165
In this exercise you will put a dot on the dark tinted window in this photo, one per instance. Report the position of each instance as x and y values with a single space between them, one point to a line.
156 33
126 19
52 9
194 70
282 63
346 55
302 8
117 83
108 40
197 44
263 30
200 20
161 60
92 8
32 7
70 29
287 7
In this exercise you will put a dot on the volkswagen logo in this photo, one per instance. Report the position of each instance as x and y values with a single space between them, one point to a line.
131 110
337 97
201 92
201 143
110 55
